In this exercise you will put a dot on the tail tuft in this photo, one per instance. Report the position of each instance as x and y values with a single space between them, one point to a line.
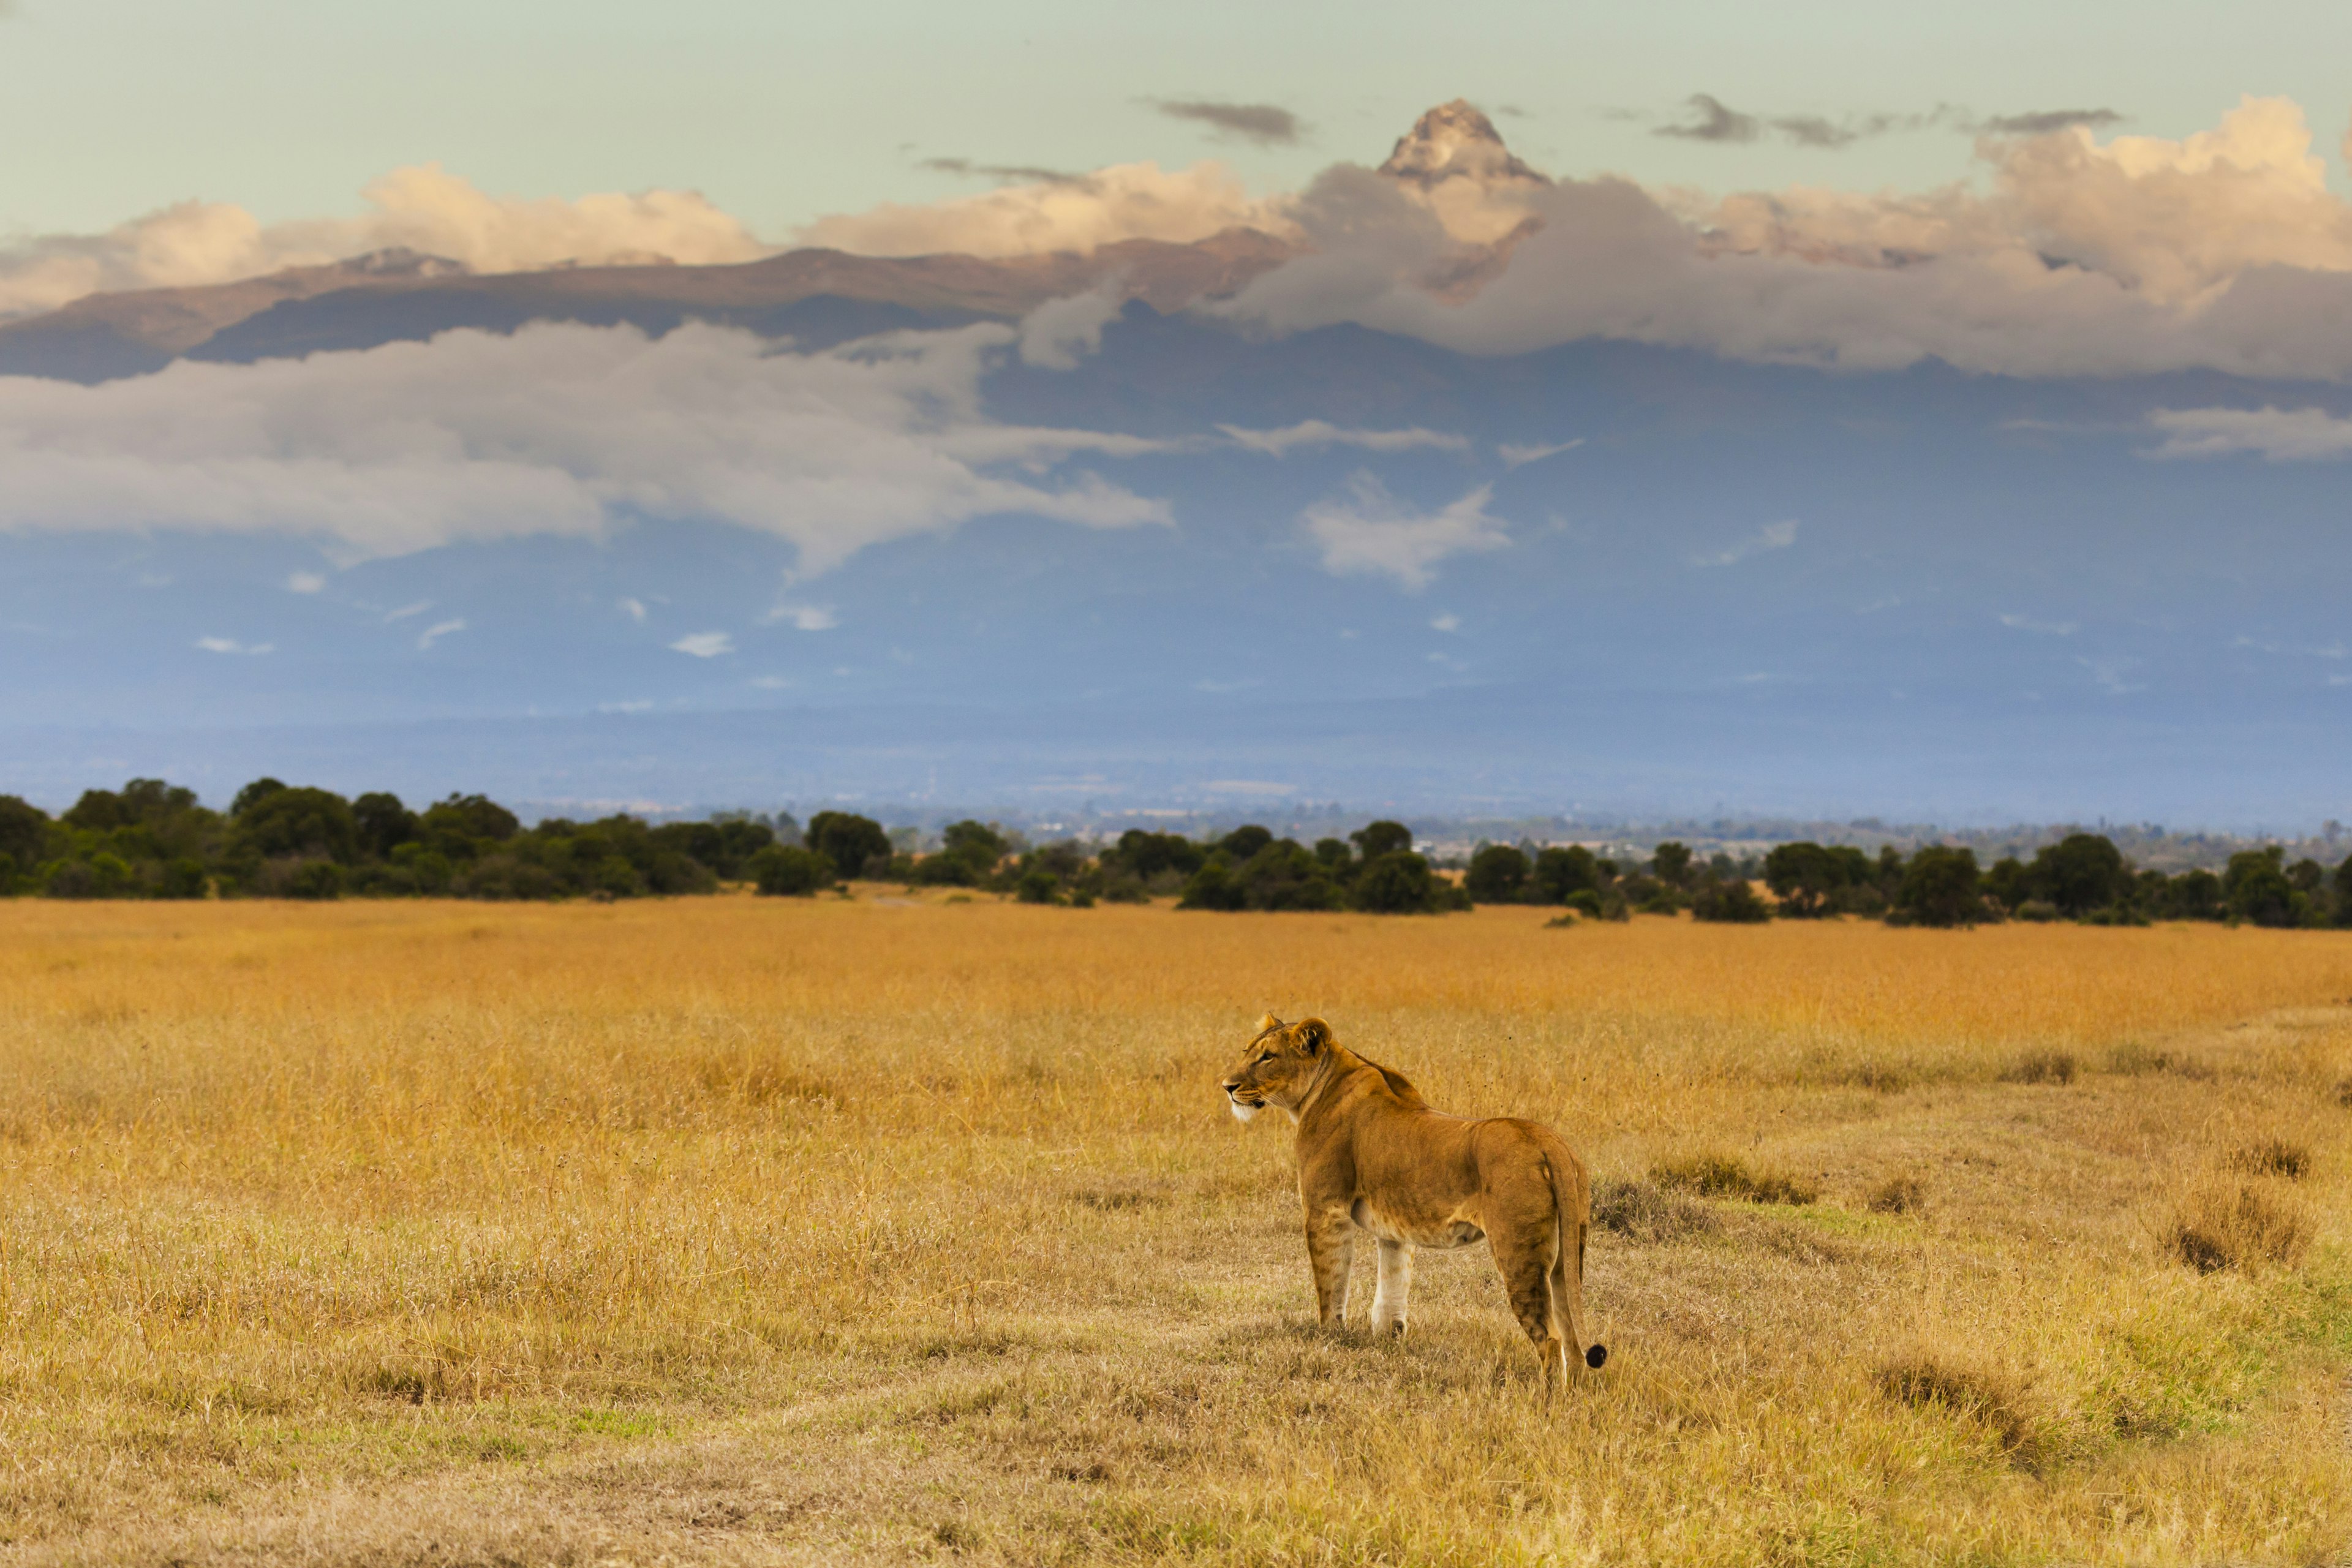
1597 1357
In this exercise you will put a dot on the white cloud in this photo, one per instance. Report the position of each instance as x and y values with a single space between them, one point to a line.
2280 435
634 609
557 429
422 208
1448 622
2047 628
805 617
2223 250
1126 201
1372 531
2109 671
436 631
405 611
1771 536
230 644
1318 433
1520 457
305 581
634 705
1060 332
704 645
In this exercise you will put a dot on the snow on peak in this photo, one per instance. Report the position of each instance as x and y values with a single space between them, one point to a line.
1454 140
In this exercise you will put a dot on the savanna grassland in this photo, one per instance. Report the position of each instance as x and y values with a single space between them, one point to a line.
738 1229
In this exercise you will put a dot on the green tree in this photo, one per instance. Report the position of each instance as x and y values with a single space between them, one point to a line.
2257 888
1376 839
1498 875
1729 901
1283 874
967 855
787 870
473 818
1244 841
852 843
1397 883
253 795
1671 864
1149 854
1214 887
1806 878
24 833
2081 872
2343 883
383 824
1939 888
310 824
1561 870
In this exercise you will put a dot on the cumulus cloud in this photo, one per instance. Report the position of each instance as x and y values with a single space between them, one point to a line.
634 609
2280 435
1126 201
1313 433
557 429
1371 531
423 208
805 617
305 582
1268 124
2223 250
704 645
1058 333
230 645
1771 536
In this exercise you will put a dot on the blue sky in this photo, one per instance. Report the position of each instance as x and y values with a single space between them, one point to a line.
782 113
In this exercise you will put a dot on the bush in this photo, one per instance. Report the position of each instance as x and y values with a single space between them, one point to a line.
785 870
1729 903
1939 888
1561 872
1644 1212
1397 883
2273 1157
184 879
1717 1175
1038 887
851 843
2041 1066
315 879
1213 887
1498 875
1896 1194
2234 1225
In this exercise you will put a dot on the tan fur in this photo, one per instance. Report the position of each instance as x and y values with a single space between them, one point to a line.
1373 1157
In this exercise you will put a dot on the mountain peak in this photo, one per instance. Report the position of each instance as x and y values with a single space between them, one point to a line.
1455 141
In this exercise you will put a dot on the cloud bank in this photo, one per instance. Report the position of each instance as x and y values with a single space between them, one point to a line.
423 208
559 429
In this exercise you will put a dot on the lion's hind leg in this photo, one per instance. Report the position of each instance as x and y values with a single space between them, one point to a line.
1395 1285
1526 1264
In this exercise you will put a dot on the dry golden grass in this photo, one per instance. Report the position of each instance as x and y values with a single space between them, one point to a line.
769 1230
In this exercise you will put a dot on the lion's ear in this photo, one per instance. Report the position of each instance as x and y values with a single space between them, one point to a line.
1268 1022
1314 1037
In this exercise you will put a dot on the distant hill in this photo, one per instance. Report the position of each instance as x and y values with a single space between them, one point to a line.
819 298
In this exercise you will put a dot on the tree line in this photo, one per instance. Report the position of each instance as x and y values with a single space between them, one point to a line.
154 840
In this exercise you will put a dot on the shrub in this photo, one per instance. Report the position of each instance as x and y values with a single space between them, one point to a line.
1931 1380
182 878
849 842
784 870
2273 1157
1585 900
1038 885
1497 875
2234 1225
2036 910
1213 887
1939 888
1729 903
1375 839
1646 1212
1396 883
1561 872
315 879
2041 1066
1896 1194
1719 1175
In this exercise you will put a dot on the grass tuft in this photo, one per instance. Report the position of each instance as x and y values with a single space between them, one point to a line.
2234 1225
1934 1380
2041 1066
2273 1157
1642 1211
1722 1175
1897 1194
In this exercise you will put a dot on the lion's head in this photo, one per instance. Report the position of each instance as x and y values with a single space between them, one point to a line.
1277 1067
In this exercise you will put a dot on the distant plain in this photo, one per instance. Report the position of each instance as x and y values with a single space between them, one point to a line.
753 1230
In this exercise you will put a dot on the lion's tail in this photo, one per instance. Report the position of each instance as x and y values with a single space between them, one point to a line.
1568 1266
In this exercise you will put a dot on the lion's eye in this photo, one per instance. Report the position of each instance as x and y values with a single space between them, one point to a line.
1264 1059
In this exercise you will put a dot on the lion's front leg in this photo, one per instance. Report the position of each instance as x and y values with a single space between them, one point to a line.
1330 1253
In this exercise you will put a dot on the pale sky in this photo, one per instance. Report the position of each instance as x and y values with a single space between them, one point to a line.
784 112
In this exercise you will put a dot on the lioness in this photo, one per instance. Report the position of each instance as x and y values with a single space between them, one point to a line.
1373 1157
